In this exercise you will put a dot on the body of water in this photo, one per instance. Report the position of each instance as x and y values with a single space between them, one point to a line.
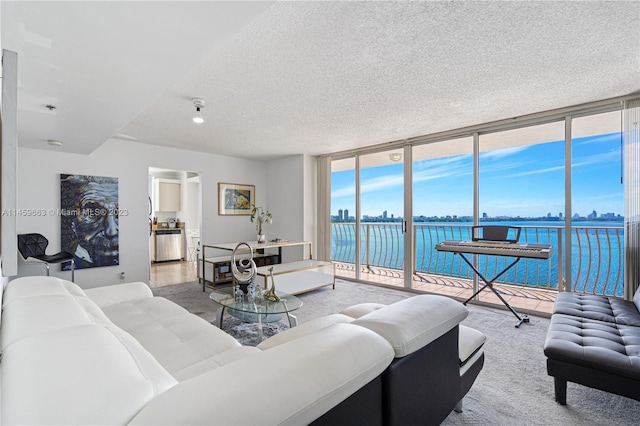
597 261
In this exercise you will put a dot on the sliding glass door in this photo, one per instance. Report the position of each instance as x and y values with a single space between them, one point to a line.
522 183
442 209
597 198
344 238
381 216
556 177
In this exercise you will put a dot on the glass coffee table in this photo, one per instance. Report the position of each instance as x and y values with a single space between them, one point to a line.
258 311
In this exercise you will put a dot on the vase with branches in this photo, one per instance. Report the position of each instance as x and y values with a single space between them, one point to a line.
261 217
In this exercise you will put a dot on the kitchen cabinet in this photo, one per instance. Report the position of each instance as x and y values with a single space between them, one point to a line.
167 196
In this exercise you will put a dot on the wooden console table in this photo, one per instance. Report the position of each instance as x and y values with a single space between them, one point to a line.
221 265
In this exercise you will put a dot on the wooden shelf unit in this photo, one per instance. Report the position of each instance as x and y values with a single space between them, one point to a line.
214 270
217 270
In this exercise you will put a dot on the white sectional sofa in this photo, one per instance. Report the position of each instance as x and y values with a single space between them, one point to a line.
118 355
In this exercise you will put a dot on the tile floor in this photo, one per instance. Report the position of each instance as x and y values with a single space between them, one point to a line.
167 273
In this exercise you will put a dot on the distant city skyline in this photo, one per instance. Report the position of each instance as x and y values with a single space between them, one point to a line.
343 216
525 181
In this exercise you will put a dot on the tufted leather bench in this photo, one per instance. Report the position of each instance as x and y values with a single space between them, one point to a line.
594 341
601 308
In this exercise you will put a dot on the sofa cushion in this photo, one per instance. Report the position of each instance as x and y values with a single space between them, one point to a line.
601 308
604 346
52 330
40 304
303 330
292 384
470 342
361 309
34 315
215 361
413 323
118 293
85 374
39 286
178 339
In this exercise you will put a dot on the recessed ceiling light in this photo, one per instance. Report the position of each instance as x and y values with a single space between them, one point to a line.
54 142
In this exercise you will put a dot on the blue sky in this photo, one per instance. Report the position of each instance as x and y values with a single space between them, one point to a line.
523 181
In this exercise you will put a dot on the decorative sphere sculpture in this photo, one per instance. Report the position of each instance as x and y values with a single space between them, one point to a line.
244 270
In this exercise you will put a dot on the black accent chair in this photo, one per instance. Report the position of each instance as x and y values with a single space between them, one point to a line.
35 246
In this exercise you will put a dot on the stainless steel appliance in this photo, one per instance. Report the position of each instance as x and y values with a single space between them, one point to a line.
168 244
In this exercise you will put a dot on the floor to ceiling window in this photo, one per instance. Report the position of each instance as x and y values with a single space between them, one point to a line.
382 212
442 205
343 212
597 198
566 194
522 184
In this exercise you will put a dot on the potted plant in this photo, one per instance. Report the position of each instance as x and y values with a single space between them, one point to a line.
262 217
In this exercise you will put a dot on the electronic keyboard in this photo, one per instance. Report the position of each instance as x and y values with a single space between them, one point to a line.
497 248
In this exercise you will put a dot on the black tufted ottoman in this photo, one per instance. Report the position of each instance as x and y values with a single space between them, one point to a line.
594 341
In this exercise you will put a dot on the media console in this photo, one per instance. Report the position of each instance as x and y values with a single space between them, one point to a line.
291 277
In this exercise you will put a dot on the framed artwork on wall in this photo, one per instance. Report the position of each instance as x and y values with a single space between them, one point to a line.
235 199
89 220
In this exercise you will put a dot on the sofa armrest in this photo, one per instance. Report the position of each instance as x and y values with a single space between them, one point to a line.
413 323
118 293
292 383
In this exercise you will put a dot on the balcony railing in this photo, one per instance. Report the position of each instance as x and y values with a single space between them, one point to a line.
597 255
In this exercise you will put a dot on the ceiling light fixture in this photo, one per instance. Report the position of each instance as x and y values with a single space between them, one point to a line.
53 142
395 156
199 104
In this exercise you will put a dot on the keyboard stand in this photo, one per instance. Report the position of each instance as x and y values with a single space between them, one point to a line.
523 318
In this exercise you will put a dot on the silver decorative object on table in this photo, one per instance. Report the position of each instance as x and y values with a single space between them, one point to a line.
244 272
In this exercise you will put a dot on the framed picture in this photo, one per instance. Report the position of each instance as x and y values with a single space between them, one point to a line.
89 221
235 199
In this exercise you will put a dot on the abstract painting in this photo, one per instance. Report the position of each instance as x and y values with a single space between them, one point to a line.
235 199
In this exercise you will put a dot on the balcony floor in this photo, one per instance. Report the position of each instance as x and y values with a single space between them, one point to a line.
539 301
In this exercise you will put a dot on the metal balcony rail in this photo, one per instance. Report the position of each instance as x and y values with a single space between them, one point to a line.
597 255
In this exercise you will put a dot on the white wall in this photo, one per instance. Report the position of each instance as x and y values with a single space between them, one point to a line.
191 212
9 153
292 196
39 188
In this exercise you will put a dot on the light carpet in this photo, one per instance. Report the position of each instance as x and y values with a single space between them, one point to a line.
512 389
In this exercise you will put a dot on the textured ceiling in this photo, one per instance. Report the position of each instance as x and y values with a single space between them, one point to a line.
320 77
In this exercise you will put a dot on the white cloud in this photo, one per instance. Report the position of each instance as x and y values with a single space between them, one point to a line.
498 154
381 182
348 191
612 137
537 171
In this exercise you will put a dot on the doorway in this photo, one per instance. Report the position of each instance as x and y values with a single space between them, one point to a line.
175 223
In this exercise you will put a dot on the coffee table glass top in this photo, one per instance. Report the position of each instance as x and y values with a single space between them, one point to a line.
287 303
